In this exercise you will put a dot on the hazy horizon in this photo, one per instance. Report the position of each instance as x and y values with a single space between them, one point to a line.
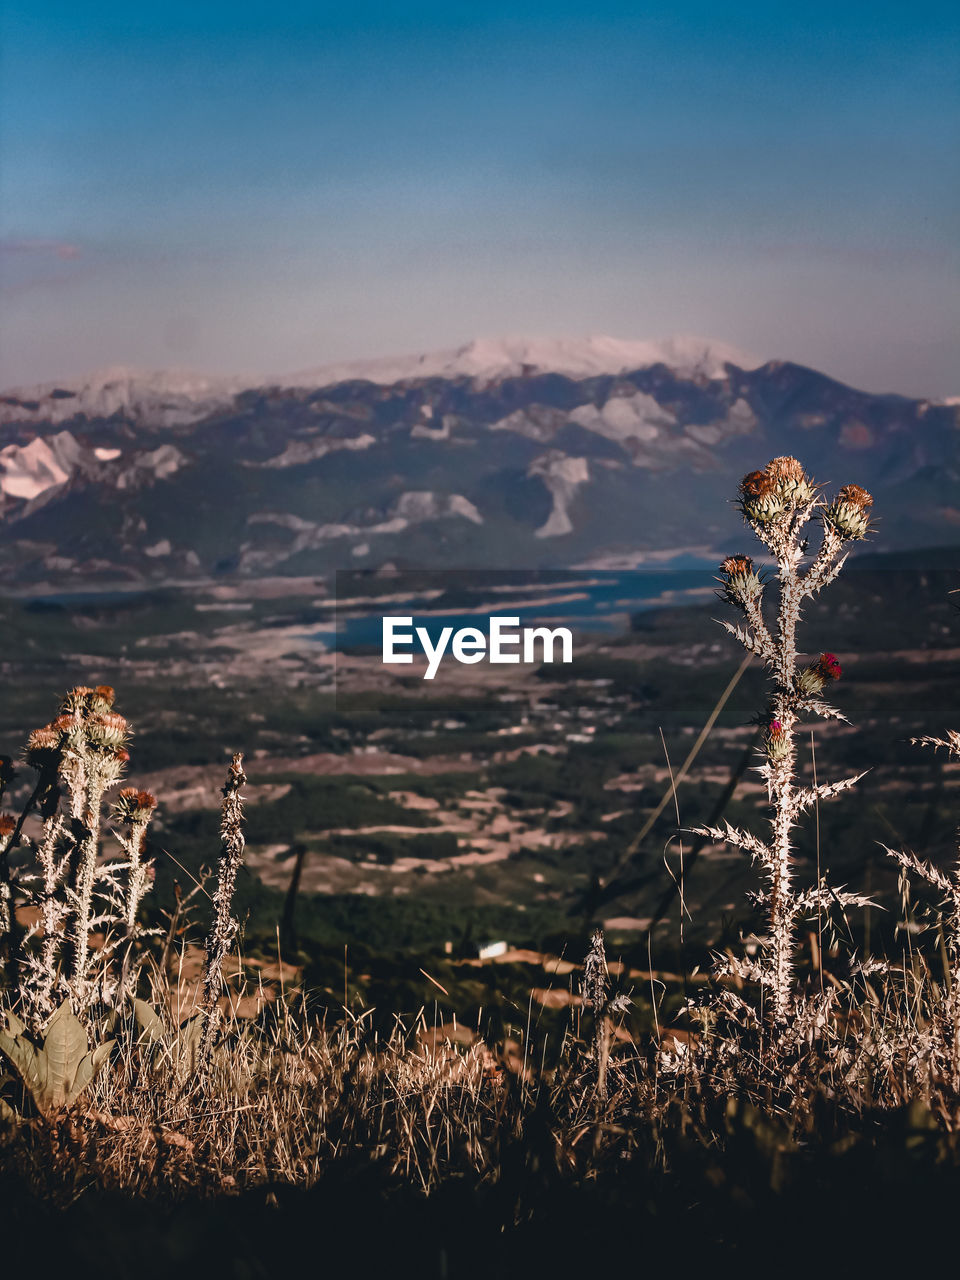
266 189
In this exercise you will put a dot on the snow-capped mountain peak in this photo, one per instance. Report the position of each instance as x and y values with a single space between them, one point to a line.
178 397
493 358
170 397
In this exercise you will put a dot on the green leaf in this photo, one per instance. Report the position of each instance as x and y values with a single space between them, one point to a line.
90 1068
187 1046
29 1063
149 1022
14 1026
64 1048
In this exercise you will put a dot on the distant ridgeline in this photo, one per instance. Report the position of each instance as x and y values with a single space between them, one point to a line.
497 455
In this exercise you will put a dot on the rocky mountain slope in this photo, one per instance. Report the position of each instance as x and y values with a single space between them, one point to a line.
508 453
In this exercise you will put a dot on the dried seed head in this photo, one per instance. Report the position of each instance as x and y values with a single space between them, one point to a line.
849 512
8 825
737 566
132 805
595 973
856 496
760 500
741 583
790 481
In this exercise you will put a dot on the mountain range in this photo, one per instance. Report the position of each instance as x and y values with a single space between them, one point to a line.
501 453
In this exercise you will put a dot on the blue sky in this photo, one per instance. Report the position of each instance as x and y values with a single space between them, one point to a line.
243 187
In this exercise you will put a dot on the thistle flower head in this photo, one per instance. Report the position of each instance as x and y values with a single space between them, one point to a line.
8 824
791 481
830 666
741 582
759 498
70 727
107 730
43 747
101 699
848 514
133 806
813 679
77 700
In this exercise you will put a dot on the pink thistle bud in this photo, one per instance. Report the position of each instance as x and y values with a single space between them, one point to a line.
778 742
812 680
830 667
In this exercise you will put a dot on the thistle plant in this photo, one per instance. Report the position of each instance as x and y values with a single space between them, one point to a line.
78 758
779 503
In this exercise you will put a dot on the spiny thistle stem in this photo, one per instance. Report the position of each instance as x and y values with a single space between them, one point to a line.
133 809
89 851
223 927
51 915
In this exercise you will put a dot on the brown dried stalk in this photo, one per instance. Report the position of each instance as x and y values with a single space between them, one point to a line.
595 991
223 928
949 886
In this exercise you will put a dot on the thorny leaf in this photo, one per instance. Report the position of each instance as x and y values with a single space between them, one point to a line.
826 791
749 641
821 709
733 835
923 869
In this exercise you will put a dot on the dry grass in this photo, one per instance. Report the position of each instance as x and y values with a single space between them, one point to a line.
770 1085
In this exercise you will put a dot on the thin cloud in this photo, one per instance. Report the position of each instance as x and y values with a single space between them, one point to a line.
65 250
